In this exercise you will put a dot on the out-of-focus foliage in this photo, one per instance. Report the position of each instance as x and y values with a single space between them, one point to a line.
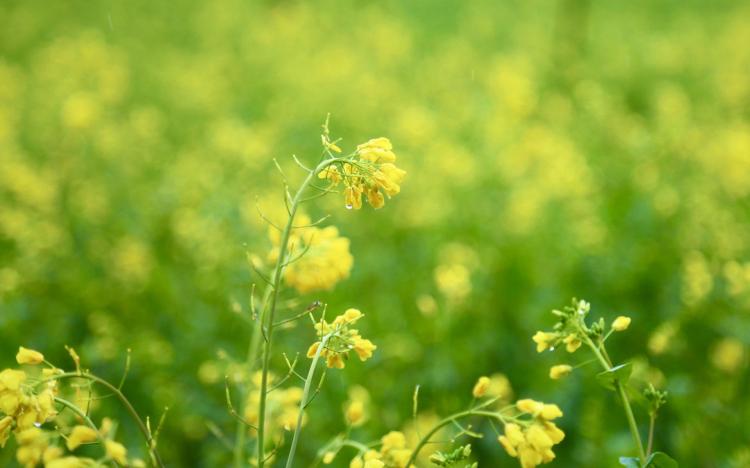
598 149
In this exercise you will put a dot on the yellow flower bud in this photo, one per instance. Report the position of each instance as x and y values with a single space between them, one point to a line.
550 412
328 458
507 446
559 371
116 452
621 323
29 356
480 388
543 340
81 435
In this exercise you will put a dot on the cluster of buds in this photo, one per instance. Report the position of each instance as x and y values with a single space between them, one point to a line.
370 172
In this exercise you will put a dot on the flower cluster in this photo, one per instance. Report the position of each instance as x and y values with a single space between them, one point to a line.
571 331
319 257
393 453
27 403
370 172
531 441
338 339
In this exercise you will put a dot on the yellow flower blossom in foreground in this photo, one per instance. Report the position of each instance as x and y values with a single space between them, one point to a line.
393 453
116 452
81 435
480 388
572 343
543 340
372 173
320 257
29 356
532 444
621 323
341 340
559 371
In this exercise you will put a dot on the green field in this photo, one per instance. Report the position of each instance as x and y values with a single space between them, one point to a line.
553 149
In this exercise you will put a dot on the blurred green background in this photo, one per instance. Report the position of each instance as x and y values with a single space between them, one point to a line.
553 148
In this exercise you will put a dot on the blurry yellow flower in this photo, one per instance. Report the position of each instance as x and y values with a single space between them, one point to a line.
5 425
69 462
621 323
81 435
52 453
11 379
363 348
29 356
355 413
543 340
728 355
480 388
374 464
116 452
328 458
572 343
377 150
559 371
321 257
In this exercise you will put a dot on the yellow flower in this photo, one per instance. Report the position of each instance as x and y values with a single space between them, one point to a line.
559 371
5 425
52 453
374 464
621 323
11 379
572 343
363 348
543 340
328 458
321 256
377 150
353 197
393 440
313 349
69 462
533 444
480 388
116 452
355 413
29 356
81 435
550 412
370 173
335 361
356 463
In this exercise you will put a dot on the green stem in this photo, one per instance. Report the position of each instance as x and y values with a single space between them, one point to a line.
150 443
445 422
268 321
623 396
252 355
81 414
303 401
651 424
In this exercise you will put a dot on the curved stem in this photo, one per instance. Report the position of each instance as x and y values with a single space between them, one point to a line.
623 397
150 443
445 422
303 402
268 322
81 414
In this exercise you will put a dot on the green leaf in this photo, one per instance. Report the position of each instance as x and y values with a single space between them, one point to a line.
661 460
619 373
630 462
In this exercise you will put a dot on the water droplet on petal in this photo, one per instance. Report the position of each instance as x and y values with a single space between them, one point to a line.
551 348
348 206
